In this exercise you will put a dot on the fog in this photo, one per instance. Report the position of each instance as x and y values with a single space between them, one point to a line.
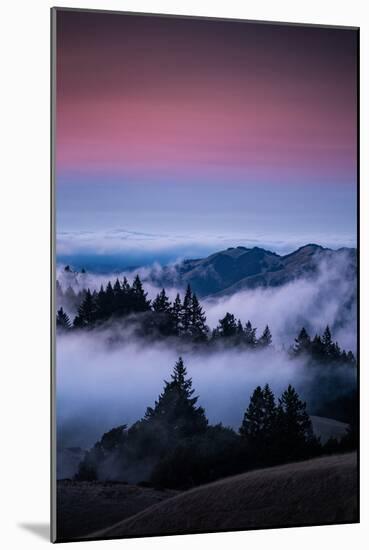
329 298
98 387
101 385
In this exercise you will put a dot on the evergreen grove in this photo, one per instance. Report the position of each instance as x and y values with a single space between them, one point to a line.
174 446
183 319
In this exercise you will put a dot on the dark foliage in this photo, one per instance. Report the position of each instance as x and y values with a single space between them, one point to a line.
173 446
187 320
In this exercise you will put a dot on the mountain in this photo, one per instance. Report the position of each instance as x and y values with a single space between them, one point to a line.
239 268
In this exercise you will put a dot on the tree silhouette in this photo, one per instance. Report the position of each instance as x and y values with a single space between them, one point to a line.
176 312
186 311
140 301
86 312
176 407
258 424
250 335
62 320
161 304
227 326
265 339
198 326
295 430
302 342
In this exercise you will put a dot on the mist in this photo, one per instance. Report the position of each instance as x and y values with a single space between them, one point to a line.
108 377
99 388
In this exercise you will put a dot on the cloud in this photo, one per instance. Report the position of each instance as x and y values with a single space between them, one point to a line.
142 248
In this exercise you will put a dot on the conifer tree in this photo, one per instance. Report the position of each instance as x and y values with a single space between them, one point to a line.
109 300
86 311
302 342
327 340
62 320
259 422
250 335
186 311
161 304
176 408
294 425
198 327
227 326
176 315
139 296
265 339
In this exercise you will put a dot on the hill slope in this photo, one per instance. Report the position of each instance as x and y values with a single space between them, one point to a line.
234 269
317 491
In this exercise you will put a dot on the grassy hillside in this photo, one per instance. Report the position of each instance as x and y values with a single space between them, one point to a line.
322 490
83 507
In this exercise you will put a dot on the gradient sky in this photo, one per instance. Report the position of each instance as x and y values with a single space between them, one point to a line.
181 126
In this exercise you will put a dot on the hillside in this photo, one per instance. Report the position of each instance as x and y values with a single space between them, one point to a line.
318 491
83 507
235 269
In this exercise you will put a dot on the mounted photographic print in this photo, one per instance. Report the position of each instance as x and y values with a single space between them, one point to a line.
204 297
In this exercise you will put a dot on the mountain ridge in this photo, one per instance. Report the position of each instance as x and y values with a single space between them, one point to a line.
237 268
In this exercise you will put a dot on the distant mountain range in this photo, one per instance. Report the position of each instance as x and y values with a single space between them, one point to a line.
238 268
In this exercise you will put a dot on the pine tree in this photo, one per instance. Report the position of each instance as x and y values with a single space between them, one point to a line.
302 342
161 304
176 409
250 335
265 339
327 341
259 421
62 320
227 326
317 348
176 315
86 312
139 296
186 311
109 300
198 327
294 424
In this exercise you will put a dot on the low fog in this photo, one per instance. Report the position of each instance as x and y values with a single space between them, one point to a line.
100 385
329 298
99 388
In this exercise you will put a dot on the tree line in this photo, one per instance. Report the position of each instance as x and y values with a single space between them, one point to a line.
184 318
174 446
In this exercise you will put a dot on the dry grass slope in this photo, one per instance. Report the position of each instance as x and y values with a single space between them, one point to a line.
322 490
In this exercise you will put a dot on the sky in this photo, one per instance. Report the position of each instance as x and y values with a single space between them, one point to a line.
178 137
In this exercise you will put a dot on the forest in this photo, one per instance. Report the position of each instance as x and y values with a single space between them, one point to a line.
183 320
174 446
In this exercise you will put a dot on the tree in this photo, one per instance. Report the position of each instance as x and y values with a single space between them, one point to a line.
265 339
198 327
317 348
302 342
176 312
161 304
176 408
139 296
86 311
186 311
62 320
250 335
227 326
294 425
258 425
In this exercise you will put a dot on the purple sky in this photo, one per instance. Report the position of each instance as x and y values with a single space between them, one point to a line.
155 114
